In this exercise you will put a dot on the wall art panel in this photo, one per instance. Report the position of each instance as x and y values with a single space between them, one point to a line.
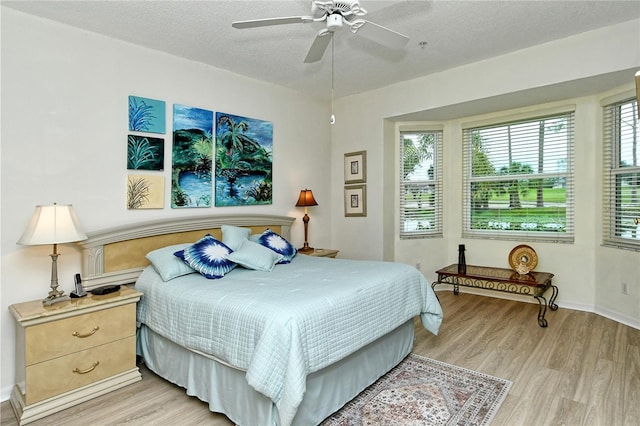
244 148
191 172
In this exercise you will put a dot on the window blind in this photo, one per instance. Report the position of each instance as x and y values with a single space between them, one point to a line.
621 169
420 184
518 179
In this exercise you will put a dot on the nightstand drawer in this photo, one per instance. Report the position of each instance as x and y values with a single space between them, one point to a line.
78 369
58 338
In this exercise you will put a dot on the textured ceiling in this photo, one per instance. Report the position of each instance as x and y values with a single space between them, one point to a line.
455 32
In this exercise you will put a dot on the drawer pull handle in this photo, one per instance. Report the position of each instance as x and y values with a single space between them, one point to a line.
88 370
82 336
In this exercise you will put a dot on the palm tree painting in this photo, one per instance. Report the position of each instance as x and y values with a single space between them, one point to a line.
243 161
146 115
145 192
145 153
192 163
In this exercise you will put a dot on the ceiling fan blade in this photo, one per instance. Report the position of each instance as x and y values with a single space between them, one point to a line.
319 46
271 21
382 35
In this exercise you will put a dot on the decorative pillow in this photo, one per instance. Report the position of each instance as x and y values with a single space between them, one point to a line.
278 244
233 236
255 256
208 256
166 264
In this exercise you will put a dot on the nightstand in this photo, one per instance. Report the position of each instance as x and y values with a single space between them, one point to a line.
72 351
324 253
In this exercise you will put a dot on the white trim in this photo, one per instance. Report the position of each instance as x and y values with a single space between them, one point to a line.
619 97
528 114
616 316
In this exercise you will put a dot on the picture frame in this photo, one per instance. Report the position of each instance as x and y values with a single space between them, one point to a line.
355 201
355 167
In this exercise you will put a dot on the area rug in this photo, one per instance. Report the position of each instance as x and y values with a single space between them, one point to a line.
423 391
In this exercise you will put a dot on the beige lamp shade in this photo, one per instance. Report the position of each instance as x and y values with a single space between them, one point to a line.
53 224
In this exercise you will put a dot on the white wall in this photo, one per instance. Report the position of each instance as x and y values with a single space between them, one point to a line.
64 130
588 276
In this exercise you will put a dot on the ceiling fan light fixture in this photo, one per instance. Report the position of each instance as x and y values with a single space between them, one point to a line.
334 22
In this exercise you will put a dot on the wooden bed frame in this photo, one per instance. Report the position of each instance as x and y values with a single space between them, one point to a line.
117 255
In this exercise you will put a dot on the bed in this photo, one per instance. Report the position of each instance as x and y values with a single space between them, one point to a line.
282 346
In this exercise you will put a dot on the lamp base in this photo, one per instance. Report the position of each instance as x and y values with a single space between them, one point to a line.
306 250
55 295
52 299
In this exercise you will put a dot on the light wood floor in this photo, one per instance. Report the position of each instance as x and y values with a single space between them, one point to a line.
582 369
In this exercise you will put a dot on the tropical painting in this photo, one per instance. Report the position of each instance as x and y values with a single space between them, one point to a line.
146 115
244 148
191 173
145 153
145 192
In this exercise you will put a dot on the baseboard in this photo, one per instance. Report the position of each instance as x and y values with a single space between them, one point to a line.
5 393
604 312
615 316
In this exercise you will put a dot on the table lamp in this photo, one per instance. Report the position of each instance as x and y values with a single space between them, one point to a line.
53 224
306 199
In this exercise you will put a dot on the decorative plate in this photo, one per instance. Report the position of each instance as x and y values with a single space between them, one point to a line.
523 259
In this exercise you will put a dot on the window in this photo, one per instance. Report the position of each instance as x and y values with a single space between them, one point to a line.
420 184
518 179
621 218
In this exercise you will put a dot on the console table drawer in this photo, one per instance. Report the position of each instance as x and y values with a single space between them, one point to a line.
81 332
78 369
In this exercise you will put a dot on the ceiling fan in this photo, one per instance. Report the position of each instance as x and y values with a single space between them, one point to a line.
336 14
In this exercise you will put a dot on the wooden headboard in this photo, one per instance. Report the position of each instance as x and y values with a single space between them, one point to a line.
117 255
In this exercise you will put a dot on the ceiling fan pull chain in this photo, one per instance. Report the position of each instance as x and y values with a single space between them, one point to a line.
332 118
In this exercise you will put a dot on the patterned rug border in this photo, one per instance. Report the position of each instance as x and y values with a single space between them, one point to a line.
499 399
502 386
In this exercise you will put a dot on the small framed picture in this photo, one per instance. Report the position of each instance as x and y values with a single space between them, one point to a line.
355 200
355 167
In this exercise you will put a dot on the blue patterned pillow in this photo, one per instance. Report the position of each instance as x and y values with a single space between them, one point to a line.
278 244
208 256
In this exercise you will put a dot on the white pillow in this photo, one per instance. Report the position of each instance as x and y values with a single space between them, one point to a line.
233 236
255 256
166 264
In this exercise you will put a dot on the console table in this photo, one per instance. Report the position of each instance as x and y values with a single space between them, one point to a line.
504 280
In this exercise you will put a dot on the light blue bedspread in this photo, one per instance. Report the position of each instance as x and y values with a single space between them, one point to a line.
282 325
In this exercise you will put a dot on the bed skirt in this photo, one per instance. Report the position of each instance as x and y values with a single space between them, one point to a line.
226 390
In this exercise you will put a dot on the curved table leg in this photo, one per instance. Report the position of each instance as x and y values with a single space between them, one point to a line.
542 322
433 287
552 301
